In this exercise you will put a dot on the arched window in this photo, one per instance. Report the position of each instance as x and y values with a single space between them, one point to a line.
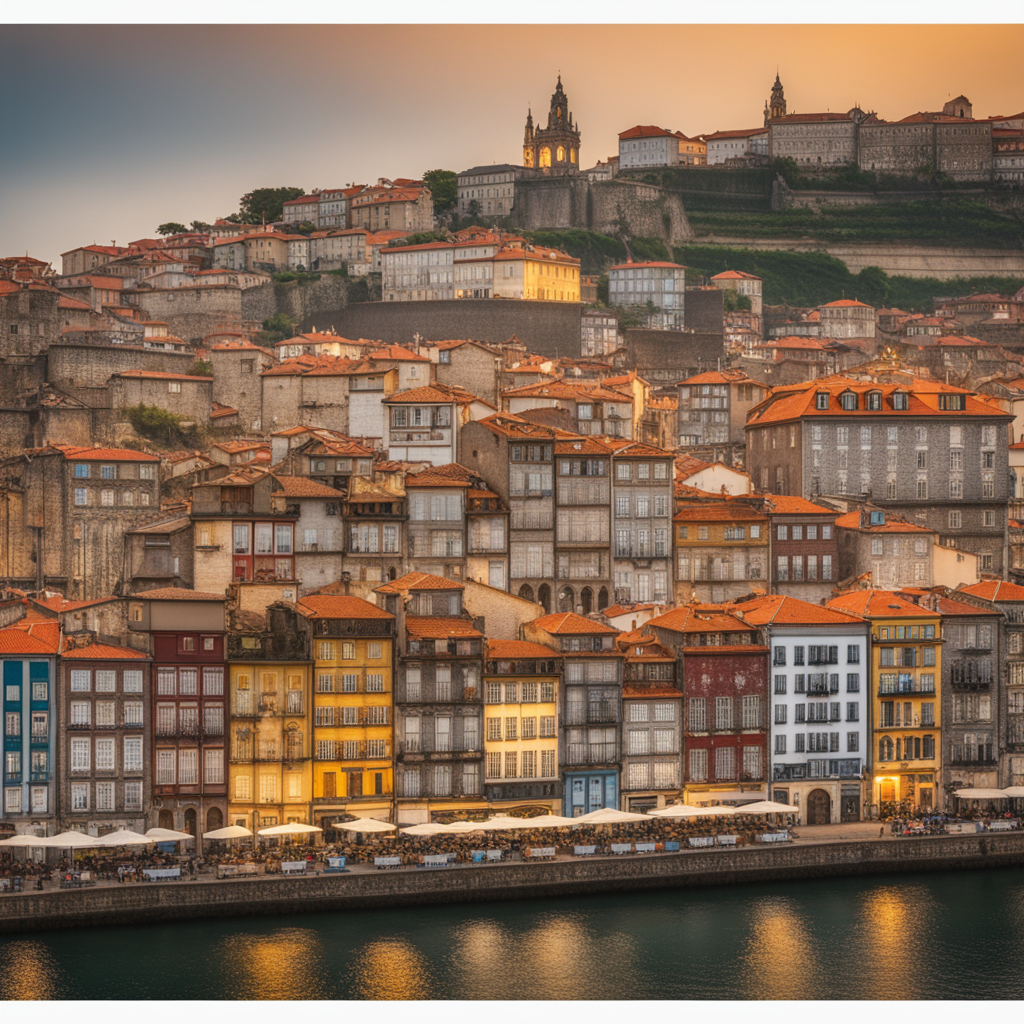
848 400
874 399
567 600
526 592
560 154
544 596
527 157
885 750
572 155
545 156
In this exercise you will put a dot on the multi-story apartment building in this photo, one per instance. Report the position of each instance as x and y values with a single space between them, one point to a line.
353 706
641 498
518 459
821 139
1008 692
591 709
805 559
375 524
270 670
521 684
663 284
592 408
486 537
820 705
29 661
65 512
847 318
438 698
583 564
896 552
725 680
934 453
742 283
436 532
422 425
647 145
599 332
721 551
713 409
238 533
490 190
652 723
106 757
906 686
736 145
185 636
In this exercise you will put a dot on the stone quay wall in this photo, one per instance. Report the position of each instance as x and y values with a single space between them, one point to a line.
262 896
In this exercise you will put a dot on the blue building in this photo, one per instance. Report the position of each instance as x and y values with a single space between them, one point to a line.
28 656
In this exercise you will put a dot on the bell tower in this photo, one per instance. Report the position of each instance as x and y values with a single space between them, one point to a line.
554 149
776 107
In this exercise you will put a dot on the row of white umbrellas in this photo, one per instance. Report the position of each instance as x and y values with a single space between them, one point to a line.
1010 793
80 841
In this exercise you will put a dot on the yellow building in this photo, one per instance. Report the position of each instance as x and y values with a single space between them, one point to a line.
353 706
906 680
270 687
521 682
537 273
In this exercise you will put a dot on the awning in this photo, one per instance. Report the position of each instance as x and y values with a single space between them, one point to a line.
981 794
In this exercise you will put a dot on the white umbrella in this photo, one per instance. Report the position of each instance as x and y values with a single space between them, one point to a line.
125 837
293 828
168 835
228 832
457 827
75 841
503 821
687 811
1017 792
981 794
366 825
428 828
549 821
767 807
26 841
608 816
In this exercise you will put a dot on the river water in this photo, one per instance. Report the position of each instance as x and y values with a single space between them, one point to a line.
931 936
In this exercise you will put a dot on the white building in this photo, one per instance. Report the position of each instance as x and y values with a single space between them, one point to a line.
647 145
664 284
739 142
489 190
820 665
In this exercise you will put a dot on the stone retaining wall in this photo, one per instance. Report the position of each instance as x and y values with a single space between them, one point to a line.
139 903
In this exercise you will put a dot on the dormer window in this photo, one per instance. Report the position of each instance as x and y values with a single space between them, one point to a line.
952 403
875 400
821 400
848 400
900 400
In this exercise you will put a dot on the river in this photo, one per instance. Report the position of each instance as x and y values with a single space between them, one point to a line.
930 936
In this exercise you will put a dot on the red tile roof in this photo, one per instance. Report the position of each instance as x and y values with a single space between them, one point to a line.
735 275
104 652
436 393
30 636
339 606
790 505
648 263
397 353
695 618
995 590
719 514
892 524
303 487
439 628
571 624
78 453
452 475
159 375
175 594
777 609
58 603
877 604
418 581
723 377
519 649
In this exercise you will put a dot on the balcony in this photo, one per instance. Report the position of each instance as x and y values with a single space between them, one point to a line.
599 713
40 776
433 695
900 689
188 732
429 749
359 752
325 629
592 753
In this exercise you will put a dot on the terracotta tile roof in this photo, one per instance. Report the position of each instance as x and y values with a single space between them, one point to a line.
583 446
175 594
719 514
726 649
519 649
159 375
877 604
104 652
77 453
735 133
790 505
735 275
418 581
218 411
396 352
475 492
649 263
30 636
58 603
615 610
436 393
339 606
697 618
845 304
995 590
892 524
947 606
571 624
438 628
723 377
778 609
452 475
303 487
649 131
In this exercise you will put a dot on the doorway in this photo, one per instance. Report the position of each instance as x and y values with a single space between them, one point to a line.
330 785
166 819
214 819
819 807
190 821
587 600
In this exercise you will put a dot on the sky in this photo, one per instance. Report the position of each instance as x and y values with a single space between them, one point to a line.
112 130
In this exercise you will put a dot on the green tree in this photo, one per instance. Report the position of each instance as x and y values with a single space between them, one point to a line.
443 187
266 204
172 227
200 225
278 327
732 300
202 368
153 422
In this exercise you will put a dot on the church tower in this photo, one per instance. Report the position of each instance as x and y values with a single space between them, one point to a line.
776 107
556 148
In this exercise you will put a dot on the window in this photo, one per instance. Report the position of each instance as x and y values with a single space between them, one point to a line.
106 681
81 680
188 767
698 720
106 497
723 712
80 796
780 714
698 765
105 714
80 755
751 712
752 762
81 496
725 764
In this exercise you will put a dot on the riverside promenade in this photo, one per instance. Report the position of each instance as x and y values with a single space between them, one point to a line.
820 852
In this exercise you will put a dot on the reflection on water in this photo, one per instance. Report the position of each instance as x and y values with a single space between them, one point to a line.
27 971
781 956
564 957
286 964
390 969
958 935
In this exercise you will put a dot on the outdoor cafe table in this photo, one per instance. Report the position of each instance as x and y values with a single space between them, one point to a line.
155 874
702 840
773 837
728 840
644 847
293 867
541 851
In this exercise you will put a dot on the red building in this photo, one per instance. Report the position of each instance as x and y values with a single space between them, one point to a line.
725 702
186 641
805 549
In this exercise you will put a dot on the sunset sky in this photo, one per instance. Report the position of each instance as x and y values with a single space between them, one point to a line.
112 130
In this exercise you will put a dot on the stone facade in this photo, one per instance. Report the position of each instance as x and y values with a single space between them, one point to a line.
180 394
